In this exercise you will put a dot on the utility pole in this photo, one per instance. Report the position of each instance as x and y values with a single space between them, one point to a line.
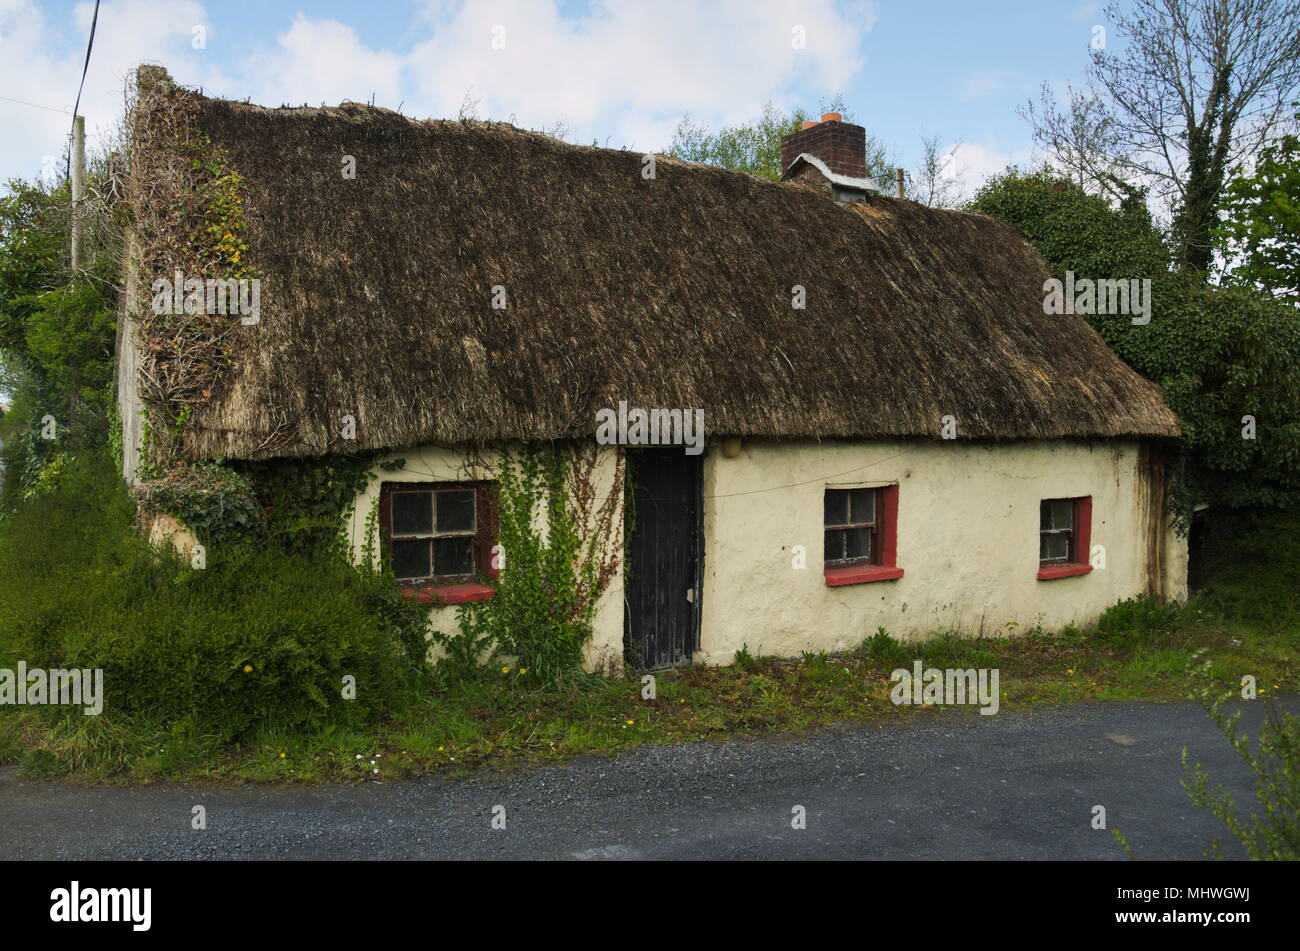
78 186
898 180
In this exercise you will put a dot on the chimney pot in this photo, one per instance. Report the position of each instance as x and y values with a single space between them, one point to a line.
809 124
832 117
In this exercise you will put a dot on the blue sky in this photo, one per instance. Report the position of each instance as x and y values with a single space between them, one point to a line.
616 71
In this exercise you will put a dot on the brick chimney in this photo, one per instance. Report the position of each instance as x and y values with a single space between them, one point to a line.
841 145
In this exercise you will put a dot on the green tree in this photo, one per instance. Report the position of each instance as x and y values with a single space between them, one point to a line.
1221 354
1194 88
1259 234
56 329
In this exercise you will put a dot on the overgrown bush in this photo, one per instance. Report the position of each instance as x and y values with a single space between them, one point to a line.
1138 617
214 502
304 500
56 327
259 637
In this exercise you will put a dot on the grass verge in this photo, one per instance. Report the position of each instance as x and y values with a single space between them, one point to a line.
494 722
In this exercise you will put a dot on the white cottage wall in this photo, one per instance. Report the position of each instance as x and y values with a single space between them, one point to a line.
967 541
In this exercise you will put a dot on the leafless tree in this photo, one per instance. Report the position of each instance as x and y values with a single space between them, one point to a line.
1196 88
937 181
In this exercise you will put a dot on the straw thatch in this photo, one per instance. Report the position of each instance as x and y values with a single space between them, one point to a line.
671 292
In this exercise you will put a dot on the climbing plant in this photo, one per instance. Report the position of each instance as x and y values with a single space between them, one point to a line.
215 503
559 533
305 501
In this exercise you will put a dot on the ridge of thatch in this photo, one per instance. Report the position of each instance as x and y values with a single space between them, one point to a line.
672 292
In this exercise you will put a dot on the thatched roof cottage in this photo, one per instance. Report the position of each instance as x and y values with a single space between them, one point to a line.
894 432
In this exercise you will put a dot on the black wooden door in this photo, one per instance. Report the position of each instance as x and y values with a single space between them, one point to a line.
662 590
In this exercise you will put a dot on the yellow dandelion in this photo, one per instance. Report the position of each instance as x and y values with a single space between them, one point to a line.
505 670
248 669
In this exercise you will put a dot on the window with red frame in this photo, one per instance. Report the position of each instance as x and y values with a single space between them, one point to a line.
859 529
1064 537
437 533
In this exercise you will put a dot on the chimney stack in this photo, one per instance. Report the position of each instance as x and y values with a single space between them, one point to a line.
841 145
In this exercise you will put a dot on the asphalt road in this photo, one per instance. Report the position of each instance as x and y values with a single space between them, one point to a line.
947 786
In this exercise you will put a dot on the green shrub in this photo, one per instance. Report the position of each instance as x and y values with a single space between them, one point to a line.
259 637
1272 830
216 503
1138 618
884 647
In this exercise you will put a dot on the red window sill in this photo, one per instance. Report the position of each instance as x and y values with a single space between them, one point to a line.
449 593
1050 572
860 574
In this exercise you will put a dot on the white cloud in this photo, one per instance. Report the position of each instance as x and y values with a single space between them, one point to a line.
625 71
720 61
317 61
974 163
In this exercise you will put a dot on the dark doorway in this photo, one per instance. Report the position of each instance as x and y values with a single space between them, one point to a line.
662 593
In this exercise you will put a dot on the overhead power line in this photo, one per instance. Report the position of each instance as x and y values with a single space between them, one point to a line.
24 102
90 44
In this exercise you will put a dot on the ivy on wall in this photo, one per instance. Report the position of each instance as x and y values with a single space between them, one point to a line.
216 503
304 501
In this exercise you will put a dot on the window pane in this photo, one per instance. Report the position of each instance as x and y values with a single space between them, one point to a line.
834 550
412 513
864 505
1054 546
456 511
411 559
1056 514
837 507
858 542
453 556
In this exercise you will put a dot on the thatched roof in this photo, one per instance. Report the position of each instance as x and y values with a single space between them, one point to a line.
672 292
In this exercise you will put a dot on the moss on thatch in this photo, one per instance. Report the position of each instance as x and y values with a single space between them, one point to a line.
667 292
